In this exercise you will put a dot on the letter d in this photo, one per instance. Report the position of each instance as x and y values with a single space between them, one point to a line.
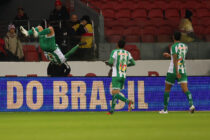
10 95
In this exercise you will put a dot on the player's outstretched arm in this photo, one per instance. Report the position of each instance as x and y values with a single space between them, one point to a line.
24 31
131 63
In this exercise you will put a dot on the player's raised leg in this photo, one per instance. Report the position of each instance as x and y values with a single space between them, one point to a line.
189 96
73 50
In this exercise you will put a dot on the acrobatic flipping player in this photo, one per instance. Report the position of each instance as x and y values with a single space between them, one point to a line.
49 46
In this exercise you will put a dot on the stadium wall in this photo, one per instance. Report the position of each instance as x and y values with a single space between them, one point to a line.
81 68
93 94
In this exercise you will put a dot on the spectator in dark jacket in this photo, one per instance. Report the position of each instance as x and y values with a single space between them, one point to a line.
74 38
21 19
59 13
21 15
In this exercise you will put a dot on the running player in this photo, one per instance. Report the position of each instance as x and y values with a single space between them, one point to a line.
120 59
48 45
177 72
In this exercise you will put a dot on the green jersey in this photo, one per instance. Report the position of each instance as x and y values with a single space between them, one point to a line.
47 44
181 50
120 59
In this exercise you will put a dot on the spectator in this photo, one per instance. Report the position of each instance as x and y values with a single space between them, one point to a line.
85 30
21 19
186 28
21 15
57 16
13 44
59 13
2 50
73 37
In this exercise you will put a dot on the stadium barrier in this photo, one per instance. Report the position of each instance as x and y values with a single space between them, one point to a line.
23 94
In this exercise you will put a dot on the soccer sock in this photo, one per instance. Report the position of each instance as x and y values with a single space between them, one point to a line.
72 51
30 32
189 97
44 32
166 100
114 101
122 98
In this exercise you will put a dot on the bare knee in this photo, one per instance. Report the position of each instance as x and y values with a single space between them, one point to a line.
168 87
184 87
115 91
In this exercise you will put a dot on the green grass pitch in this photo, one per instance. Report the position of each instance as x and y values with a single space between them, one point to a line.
99 126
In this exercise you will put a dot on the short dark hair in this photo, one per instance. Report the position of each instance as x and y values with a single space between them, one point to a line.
188 13
121 43
177 35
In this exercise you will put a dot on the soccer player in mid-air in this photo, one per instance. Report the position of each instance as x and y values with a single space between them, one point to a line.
177 72
48 44
120 59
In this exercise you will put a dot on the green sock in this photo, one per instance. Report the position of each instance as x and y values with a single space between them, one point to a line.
44 32
189 97
122 98
114 101
30 32
166 100
72 51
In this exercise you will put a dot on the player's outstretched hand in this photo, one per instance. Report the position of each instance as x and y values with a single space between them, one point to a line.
24 31
166 55
35 33
178 76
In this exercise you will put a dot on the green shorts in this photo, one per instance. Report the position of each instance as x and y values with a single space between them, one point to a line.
171 78
118 82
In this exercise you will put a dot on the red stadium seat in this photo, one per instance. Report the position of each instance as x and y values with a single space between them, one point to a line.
155 13
90 75
175 4
135 52
31 75
160 4
201 13
143 5
114 38
41 55
109 5
132 38
125 5
11 76
148 34
199 31
134 30
30 53
108 13
192 4
32 56
172 13
139 13
164 34
70 75
123 13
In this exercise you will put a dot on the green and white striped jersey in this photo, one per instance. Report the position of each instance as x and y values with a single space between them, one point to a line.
120 59
181 50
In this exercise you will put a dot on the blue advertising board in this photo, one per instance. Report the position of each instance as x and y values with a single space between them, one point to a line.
24 94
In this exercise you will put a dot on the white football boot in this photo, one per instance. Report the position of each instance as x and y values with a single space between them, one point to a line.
192 109
163 112
24 31
35 33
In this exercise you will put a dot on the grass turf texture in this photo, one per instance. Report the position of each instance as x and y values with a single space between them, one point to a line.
99 126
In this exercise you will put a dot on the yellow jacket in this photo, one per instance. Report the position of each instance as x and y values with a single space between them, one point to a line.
186 27
86 37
